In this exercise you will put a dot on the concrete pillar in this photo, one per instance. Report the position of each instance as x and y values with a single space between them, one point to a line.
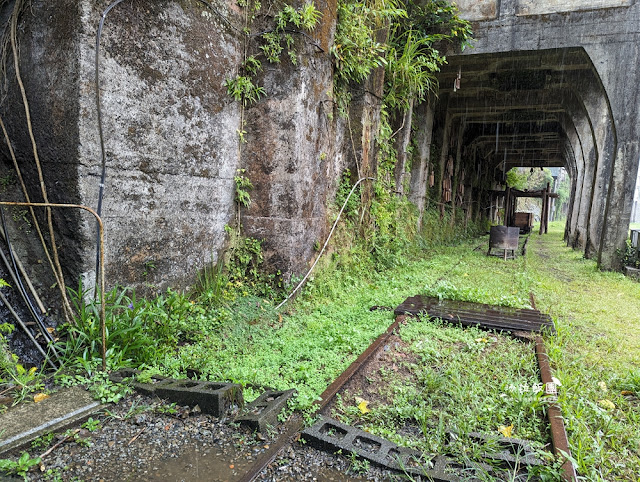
401 144
420 163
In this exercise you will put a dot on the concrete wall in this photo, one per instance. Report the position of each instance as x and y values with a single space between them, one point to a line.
609 33
171 136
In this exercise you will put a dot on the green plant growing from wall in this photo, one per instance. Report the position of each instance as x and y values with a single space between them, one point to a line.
243 186
287 22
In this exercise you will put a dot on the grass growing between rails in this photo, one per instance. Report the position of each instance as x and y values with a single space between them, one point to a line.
240 338
435 384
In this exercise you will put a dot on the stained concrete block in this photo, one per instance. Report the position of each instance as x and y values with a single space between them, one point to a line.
27 421
514 452
263 411
633 273
212 398
329 434
144 388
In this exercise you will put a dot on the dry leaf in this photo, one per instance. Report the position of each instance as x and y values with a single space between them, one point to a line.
38 397
506 431
603 386
51 330
482 340
626 392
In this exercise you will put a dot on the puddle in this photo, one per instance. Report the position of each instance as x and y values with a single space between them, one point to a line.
198 464
211 464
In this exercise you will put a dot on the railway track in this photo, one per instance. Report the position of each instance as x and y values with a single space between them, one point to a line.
295 426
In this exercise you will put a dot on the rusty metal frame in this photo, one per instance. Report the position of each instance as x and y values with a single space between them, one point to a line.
101 282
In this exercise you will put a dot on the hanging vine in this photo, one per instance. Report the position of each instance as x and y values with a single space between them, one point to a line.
10 40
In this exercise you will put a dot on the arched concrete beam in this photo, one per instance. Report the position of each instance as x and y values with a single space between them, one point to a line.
611 37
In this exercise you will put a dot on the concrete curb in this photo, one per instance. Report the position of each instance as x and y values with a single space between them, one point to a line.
28 421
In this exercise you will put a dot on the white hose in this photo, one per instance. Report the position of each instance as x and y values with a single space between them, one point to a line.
335 223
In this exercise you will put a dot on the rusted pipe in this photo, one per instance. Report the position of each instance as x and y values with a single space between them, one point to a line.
558 432
101 283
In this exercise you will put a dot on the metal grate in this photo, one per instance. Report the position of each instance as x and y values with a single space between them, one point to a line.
488 317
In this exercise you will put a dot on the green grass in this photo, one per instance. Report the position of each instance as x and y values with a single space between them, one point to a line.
596 353
440 380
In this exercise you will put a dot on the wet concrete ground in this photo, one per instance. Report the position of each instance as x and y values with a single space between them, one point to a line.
138 442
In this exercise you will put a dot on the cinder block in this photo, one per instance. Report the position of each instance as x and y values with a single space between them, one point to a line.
513 452
212 398
144 388
331 435
263 411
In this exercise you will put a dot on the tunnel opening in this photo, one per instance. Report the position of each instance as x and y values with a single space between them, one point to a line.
533 110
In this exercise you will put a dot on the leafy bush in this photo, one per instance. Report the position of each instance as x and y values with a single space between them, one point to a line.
137 330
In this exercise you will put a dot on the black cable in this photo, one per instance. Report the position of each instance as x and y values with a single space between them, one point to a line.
18 281
39 322
15 274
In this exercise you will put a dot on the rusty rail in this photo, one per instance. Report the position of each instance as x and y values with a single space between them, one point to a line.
101 282
558 433
296 424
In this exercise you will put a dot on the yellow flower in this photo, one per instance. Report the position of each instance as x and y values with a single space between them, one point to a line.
506 431
363 405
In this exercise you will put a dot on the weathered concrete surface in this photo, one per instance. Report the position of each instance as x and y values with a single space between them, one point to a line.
28 421
290 155
545 85
171 137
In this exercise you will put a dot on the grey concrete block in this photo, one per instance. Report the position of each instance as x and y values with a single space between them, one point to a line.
144 388
329 434
513 452
263 411
212 398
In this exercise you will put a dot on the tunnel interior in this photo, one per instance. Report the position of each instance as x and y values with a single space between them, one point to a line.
531 109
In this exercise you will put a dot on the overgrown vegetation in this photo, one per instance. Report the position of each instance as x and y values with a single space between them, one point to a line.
426 397
228 329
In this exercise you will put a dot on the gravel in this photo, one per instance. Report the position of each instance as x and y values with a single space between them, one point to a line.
137 441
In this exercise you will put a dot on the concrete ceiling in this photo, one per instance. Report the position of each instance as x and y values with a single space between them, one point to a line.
511 105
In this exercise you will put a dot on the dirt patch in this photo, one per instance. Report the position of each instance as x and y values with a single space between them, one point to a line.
392 360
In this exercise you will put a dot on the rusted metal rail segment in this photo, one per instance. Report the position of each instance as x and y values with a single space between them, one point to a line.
101 281
474 314
556 423
558 433
296 424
